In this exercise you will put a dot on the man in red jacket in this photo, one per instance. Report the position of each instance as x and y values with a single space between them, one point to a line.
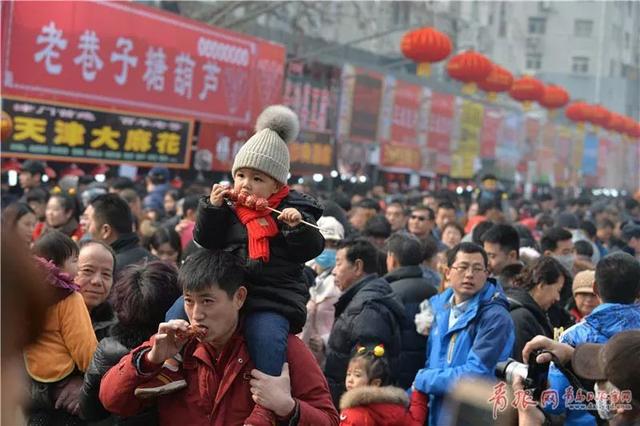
222 385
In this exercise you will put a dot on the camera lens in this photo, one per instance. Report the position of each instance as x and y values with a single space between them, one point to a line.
507 370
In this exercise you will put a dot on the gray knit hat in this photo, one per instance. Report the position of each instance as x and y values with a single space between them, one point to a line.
267 150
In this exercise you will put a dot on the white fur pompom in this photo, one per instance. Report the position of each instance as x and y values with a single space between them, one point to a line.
281 120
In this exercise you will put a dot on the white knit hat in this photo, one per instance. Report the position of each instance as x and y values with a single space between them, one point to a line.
267 150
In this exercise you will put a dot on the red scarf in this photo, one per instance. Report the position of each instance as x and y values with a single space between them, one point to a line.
260 225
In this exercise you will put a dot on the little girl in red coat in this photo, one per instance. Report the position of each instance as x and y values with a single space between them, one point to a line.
371 401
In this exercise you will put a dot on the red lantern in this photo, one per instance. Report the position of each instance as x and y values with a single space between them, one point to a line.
11 165
629 125
425 45
7 126
526 90
498 80
72 170
615 123
470 68
577 112
598 115
554 97
635 131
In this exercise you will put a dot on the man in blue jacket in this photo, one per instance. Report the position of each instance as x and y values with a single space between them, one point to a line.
472 330
618 285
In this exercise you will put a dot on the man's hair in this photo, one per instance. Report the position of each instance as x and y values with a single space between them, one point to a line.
602 223
121 182
506 236
545 219
552 237
469 248
107 247
377 226
618 278
359 248
630 204
479 230
485 205
447 205
453 225
589 228
204 269
397 204
129 195
584 248
545 270
369 203
55 246
422 207
144 293
429 248
37 195
112 210
406 248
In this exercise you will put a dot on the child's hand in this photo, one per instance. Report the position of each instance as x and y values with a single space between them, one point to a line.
291 217
217 194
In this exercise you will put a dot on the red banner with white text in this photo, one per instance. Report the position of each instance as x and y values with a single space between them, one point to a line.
440 128
125 55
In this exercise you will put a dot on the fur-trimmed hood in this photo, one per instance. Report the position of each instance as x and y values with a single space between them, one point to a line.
367 395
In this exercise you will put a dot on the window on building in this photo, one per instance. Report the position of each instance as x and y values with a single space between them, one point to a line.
401 10
612 68
534 61
502 26
582 28
580 65
537 25
627 40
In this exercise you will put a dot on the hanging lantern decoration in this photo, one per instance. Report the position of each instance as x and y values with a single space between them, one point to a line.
598 115
629 125
554 97
498 80
72 170
635 131
425 46
577 112
527 90
11 165
616 123
470 68
7 126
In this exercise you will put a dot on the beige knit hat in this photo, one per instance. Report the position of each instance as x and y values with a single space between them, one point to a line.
583 282
267 150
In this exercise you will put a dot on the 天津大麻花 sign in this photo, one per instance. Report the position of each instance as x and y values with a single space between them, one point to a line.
61 132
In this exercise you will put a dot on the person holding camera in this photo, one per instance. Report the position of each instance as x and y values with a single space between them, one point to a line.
614 366
535 289
471 332
617 282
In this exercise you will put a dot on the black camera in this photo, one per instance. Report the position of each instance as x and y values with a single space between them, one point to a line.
534 374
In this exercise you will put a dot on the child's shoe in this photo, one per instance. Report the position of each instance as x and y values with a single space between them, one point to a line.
260 416
170 379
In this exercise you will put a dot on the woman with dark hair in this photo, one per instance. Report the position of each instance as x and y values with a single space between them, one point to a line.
20 218
535 290
61 214
140 299
165 245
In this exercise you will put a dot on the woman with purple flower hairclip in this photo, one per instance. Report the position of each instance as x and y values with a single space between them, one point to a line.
67 343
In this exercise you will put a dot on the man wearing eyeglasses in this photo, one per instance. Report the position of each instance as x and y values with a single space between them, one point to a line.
471 332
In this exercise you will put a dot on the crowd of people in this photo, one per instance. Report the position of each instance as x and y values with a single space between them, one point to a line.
155 305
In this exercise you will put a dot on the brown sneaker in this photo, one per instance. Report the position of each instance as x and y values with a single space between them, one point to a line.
169 380
260 416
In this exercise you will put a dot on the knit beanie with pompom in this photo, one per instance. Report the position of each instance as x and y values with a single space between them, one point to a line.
267 151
